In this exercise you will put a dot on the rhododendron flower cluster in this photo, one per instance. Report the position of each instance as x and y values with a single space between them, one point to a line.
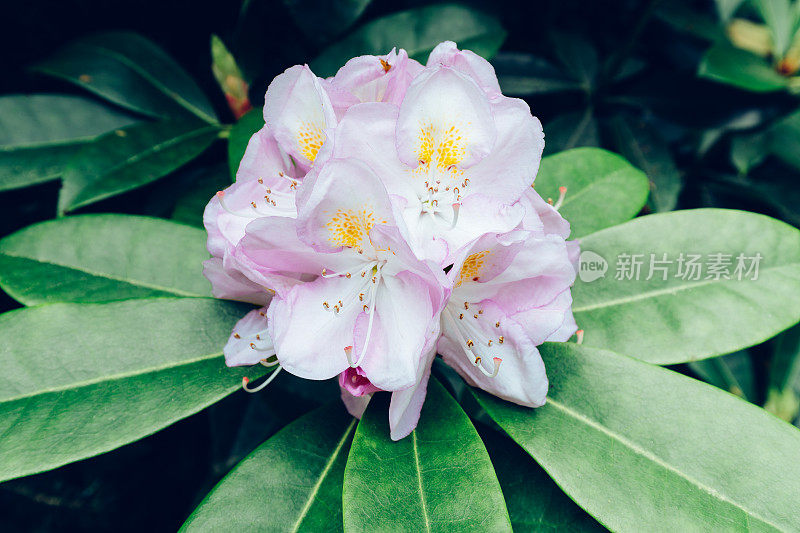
387 215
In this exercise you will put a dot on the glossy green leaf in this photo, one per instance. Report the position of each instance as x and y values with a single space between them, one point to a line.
526 75
95 258
240 135
732 373
322 20
783 394
534 501
749 150
40 132
578 56
129 158
727 8
82 379
418 31
571 130
292 482
643 448
131 71
681 319
602 188
740 68
644 147
439 478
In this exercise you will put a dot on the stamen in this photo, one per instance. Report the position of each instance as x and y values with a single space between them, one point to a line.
579 334
456 209
493 374
562 192
246 381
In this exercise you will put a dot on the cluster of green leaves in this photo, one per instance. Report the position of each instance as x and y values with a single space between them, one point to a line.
120 338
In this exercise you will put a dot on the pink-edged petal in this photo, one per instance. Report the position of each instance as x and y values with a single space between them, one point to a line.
541 216
444 120
310 341
405 321
230 211
249 342
550 322
367 132
507 172
340 204
480 214
406 405
231 284
298 111
271 255
264 159
467 62
378 78
540 270
520 377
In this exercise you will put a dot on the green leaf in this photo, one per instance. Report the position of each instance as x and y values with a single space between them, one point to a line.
418 31
578 56
95 258
571 130
130 71
783 394
196 189
40 132
292 482
732 373
527 75
642 448
322 20
240 135
534 501
784 140
130 158
82 379
602 188
645 148
726 64
677 320
439 478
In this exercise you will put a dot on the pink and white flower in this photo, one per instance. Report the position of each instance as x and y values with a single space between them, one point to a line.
385 215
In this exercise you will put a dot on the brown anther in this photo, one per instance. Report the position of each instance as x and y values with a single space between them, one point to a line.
325 305
477 359
470 343
253 204
475 316
497 324
490 342
461 316
466 305
258 337
252 346
385 64
361 297
237 336
500 339
365 308
480 311
347 275
261 181
262 313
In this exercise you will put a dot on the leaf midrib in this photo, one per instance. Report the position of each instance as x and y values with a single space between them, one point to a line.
82 199
166 91
323 475
672 290
655 459
419 481
105 275
112 377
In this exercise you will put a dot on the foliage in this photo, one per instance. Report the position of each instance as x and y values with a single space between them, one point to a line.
647 108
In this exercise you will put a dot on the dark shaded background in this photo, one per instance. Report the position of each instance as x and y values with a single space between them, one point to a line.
154 484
